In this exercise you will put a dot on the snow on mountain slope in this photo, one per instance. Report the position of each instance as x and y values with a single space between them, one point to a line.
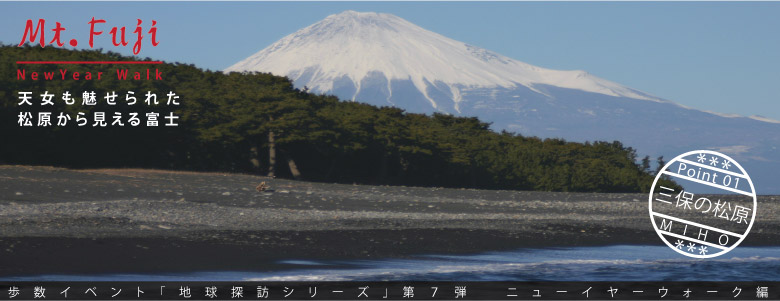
355 45
384 60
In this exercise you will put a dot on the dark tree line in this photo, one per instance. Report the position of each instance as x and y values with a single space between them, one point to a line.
259 123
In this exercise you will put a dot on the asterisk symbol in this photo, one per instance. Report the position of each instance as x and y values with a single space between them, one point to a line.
714 161
703 250
691 247
701 158
679 244
726 164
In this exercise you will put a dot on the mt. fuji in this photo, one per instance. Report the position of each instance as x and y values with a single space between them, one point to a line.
362 56
384 60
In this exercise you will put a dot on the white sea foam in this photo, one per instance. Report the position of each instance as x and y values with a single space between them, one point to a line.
533 265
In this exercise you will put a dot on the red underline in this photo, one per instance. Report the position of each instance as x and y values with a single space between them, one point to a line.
88 62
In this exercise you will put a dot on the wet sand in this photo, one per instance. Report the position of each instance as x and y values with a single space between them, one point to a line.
61 221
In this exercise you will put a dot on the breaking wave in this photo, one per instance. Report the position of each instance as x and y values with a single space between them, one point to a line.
606 263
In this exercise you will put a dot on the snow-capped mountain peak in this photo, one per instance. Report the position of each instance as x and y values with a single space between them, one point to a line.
351 48
384 60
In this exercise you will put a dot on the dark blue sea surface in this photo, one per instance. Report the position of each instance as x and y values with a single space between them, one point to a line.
606 263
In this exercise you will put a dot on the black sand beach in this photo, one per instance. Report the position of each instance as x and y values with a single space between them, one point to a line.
57 221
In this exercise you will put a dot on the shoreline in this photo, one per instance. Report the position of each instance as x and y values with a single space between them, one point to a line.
113 221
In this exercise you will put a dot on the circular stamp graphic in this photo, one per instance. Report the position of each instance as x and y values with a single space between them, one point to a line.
702 204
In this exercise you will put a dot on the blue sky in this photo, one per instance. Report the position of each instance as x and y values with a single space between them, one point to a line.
718 56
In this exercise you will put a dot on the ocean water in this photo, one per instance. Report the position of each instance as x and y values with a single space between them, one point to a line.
606 263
